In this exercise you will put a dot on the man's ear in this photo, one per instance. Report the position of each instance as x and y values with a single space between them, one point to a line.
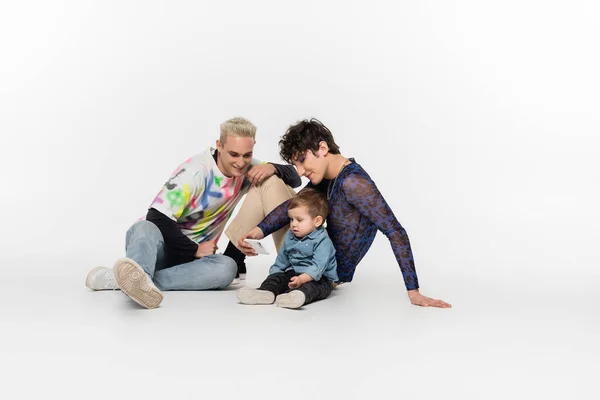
318 221
323 148
218 143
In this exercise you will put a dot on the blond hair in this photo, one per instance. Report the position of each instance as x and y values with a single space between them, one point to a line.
238 127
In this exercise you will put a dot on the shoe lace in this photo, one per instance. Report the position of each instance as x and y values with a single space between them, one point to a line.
111 282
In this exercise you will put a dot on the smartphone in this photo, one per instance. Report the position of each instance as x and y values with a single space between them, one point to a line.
257 246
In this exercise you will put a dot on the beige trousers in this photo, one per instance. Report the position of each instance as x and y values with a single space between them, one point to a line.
260 201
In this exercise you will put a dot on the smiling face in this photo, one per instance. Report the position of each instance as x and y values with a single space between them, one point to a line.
301 222
235 155
312 165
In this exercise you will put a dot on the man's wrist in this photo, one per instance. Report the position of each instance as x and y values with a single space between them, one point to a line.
275 172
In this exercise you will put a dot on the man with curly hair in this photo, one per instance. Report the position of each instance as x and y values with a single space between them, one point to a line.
357 208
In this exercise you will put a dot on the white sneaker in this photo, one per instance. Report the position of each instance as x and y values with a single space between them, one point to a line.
254 296
101 278
135 283
293 299
238 279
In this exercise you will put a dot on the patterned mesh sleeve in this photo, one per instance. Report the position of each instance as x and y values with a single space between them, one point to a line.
361 192
275 220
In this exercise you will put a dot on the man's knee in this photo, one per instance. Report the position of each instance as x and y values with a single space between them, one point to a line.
145 229
272 182
273 191
227 269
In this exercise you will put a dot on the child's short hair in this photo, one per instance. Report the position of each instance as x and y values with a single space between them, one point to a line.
314 201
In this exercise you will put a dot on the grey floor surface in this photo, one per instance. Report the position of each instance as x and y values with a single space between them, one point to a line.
499 341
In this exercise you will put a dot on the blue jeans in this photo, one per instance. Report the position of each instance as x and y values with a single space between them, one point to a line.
145 245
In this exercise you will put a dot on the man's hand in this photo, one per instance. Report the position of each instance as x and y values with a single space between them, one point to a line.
258 173
299 280
246 248
206 248
418 299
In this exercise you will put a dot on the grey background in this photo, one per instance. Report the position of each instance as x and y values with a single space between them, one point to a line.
477 120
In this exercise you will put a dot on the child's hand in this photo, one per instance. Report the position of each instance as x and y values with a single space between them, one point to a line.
295 282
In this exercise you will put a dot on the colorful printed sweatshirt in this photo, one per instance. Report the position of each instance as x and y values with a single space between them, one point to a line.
195 204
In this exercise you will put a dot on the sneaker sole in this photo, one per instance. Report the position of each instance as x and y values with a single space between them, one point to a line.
293 299
132 280
251 296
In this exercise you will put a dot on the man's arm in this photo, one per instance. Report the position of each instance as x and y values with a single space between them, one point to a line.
260 171
278 218
362 193
288 174
275 220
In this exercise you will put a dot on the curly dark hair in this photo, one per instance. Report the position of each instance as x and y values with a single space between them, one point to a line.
305 135
314 201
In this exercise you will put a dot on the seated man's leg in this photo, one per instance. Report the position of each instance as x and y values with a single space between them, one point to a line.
145 245
210 272
144 250
259 202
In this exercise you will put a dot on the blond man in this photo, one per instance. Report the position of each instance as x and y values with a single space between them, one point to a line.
173 247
